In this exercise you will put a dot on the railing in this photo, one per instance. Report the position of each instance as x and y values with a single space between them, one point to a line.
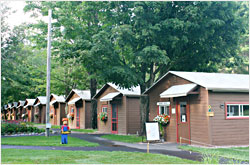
205 144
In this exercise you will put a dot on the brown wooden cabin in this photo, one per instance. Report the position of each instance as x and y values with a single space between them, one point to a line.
8 111
78 102
4 112
40 109
29 109
13 110
20 109
123 108
188 97
57 109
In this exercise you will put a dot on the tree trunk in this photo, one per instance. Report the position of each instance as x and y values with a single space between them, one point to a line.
93 86
144 110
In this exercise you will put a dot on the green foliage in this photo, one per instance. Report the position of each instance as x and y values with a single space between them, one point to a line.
19 156
12 128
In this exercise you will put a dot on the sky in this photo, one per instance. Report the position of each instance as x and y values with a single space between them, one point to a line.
19 16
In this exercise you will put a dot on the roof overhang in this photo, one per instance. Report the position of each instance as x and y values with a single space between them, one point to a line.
178 91
214 89
37 104
53 102
110 96
74 100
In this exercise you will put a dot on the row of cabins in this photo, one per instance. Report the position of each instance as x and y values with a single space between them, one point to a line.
204 108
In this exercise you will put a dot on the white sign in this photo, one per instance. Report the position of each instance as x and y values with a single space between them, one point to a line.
152 131
48 125
173 110
163 103
183 118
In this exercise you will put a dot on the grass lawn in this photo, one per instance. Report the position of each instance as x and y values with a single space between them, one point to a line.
56 126
238 153
46 141
124 138
85 130
19 156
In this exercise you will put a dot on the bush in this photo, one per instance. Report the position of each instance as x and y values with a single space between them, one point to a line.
10 128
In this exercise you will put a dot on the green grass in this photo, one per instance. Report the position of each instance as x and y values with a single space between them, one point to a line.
124 138
85 130
237 153
56 126
20 156
46 141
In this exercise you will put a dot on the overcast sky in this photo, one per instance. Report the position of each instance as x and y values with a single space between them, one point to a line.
19 17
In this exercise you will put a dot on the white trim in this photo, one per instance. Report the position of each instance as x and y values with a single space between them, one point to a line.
163 103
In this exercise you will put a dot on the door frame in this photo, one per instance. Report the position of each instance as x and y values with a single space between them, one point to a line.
177 119
114 132
78 108
55 117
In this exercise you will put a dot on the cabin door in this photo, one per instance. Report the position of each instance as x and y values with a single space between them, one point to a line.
183 123
114 119
78 117
29 115
55 118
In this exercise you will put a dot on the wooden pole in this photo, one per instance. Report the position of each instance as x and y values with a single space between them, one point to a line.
48 73
148 147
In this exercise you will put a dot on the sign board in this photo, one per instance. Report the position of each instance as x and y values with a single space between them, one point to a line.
163 103
152 131
48 125
173 110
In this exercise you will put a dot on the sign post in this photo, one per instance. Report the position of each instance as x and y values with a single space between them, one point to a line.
152 132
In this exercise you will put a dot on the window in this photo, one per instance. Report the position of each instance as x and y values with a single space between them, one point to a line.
237 110
105 109
163 109
183 108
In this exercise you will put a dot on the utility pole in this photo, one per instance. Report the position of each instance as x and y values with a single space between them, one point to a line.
48 126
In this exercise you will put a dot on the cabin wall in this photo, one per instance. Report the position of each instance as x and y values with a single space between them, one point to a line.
154 97
133 115
88 114
227 131
197 106
105 127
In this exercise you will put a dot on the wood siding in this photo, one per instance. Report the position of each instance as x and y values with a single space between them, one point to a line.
197 105
227 132
83 109
133 115
88 114
105 127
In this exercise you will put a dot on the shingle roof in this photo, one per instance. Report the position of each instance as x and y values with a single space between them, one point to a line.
42 100
133 91
14 105
29 102
20 103
83 94
213 81
60 99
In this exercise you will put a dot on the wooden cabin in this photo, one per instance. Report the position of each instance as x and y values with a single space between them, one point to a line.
204 108
57 109
8 111
122 107
20 109
4 112
13 110
79 109
40 109
29 109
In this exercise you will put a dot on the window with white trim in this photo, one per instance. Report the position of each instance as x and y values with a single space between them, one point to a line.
105 109
164 109
237 110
